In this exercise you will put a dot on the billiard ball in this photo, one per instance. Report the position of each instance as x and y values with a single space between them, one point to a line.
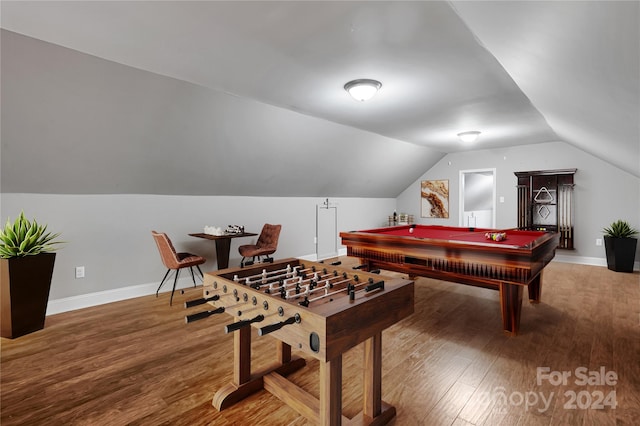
411 230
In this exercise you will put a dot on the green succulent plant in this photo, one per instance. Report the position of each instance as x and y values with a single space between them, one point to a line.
620 229
26 238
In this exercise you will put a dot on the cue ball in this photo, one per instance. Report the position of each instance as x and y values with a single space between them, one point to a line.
411 230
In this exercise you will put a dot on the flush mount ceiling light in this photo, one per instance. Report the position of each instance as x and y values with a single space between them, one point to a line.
362 89
469 137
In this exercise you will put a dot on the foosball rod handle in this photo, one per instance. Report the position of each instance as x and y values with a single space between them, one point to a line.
203 315
374 286
277 326
238 325
201 301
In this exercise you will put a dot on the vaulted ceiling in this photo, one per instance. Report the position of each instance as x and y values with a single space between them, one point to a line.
519 72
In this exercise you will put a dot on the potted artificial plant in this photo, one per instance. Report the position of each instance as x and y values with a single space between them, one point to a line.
620 246
26 268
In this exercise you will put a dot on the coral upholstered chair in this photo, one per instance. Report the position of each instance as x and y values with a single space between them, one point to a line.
267 244
175 261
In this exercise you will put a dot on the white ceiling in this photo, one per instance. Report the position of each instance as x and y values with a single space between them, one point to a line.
579 64
519 72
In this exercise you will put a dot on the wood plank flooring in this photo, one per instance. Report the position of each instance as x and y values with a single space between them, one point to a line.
136 362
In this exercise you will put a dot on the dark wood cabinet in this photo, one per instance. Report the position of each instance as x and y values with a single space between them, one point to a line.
545 202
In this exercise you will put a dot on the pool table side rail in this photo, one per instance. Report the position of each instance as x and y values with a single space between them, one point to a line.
458 234
480 265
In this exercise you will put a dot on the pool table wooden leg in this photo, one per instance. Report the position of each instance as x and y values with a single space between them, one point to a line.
535 289
511 307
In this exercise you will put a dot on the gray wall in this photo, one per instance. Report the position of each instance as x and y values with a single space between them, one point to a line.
603 193
110 235
76 124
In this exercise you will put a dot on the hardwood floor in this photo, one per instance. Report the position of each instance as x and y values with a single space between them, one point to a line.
136 362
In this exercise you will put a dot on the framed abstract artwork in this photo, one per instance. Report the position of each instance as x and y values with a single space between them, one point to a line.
434 198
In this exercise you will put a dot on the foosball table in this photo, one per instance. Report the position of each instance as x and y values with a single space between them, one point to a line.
319 309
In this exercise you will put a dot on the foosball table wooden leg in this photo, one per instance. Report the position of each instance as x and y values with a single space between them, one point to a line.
375 411
242 385
372 382
242 358
283 352
244 382
331 391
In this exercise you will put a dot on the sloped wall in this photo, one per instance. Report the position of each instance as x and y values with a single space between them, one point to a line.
73 123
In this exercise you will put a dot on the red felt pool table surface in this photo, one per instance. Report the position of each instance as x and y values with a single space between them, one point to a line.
515 238
461 255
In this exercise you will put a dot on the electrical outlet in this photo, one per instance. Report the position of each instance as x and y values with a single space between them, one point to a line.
598 241
79 271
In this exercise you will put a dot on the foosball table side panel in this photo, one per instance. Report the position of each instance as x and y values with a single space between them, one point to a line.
324 330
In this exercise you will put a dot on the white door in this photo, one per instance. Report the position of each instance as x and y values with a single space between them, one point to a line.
326 230
478 198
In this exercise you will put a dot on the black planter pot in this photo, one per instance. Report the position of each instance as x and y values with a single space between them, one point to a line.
24 293
621 253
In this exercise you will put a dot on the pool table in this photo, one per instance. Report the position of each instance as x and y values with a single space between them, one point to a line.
462 255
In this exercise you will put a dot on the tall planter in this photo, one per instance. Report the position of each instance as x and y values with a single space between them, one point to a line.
24 293
621 253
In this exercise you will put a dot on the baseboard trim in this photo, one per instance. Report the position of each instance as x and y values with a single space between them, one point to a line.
583 260
82 301
89 300
314 257
580 260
